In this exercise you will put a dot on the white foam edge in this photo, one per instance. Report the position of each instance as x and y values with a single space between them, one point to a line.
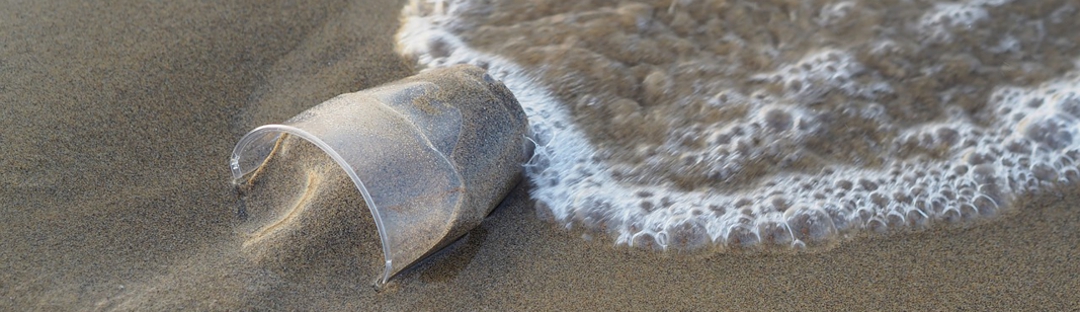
563 154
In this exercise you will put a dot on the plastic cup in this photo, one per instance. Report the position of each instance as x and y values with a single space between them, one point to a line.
431 154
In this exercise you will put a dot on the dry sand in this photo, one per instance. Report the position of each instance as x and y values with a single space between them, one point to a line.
118 122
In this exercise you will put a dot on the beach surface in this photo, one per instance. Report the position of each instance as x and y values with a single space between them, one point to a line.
119 119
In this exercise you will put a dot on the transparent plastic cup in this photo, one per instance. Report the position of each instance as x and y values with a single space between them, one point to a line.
431 154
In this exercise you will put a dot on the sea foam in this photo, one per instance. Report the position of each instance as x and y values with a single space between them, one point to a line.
952 166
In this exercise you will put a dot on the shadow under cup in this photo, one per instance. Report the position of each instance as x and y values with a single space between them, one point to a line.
431 154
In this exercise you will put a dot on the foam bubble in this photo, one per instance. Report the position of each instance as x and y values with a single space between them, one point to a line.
944 19
753 167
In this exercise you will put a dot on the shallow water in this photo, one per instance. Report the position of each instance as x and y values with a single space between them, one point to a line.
789 123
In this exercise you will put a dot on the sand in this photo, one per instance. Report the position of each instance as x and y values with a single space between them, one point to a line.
119 119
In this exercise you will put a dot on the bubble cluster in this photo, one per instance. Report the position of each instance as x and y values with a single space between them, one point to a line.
940 23
681 125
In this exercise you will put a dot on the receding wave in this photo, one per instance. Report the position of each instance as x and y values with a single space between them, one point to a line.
683 124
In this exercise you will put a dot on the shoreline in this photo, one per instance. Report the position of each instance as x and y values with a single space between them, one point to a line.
120 119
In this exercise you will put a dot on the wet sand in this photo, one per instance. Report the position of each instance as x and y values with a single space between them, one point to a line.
118 123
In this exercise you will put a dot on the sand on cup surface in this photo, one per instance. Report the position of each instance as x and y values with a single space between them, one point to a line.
118 117
432 154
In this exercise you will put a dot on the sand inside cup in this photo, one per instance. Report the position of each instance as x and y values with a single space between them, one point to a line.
302 210
433 154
